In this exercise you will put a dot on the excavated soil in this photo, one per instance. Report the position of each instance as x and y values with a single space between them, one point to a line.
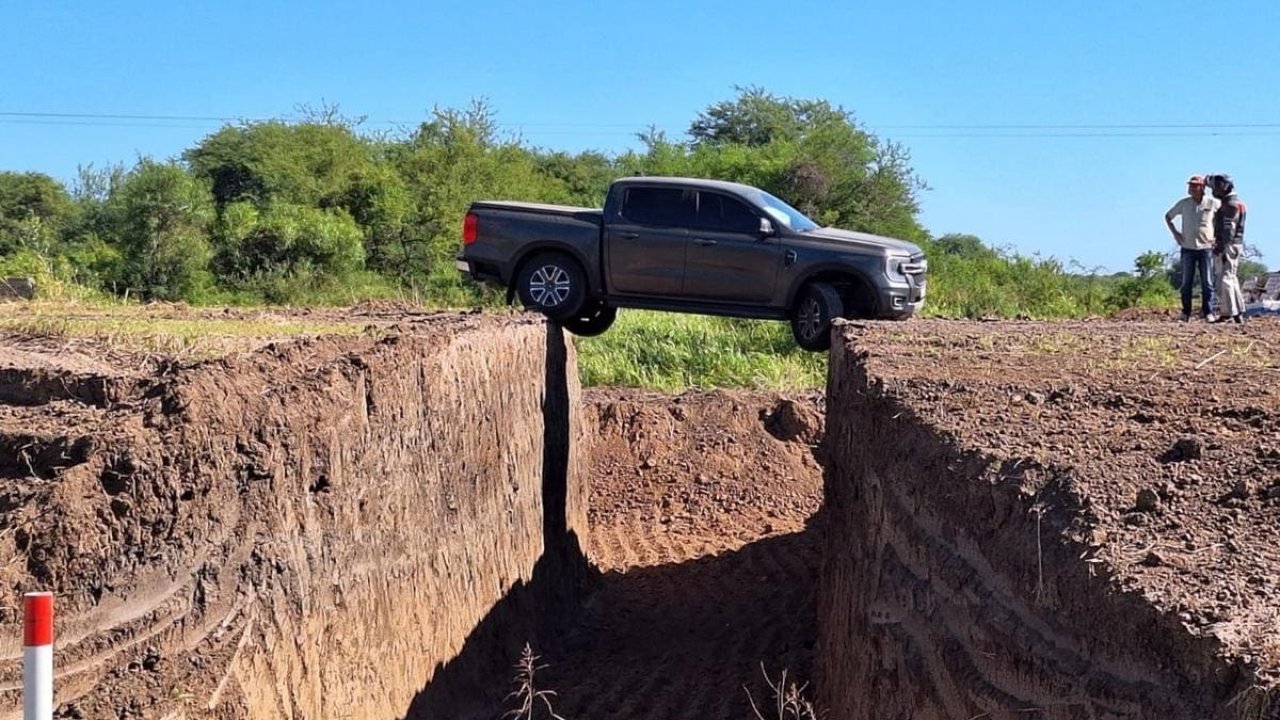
1066 520
319 528
370 526
1018 520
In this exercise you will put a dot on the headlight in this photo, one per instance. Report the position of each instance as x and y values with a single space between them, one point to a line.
901 266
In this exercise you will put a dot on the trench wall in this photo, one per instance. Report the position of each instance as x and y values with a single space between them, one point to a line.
953 589
317 530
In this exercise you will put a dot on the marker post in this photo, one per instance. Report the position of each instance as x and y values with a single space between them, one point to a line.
37 656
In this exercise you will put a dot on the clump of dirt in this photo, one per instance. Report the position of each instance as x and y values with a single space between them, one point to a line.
1072 517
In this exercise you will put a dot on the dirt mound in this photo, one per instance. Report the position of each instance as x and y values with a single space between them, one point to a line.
264 535
1076 518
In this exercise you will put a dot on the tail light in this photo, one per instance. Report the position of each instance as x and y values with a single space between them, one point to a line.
470 226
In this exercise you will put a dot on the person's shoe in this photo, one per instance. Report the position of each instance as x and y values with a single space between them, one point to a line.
1186 317
1211 318
1237 319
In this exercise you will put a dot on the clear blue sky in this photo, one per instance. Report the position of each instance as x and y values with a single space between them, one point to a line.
934 75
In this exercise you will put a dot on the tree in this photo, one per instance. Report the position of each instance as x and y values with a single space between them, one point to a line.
1146 286
308 163
35 210
158 218
756 118
970 246
283 245
456 158
808 152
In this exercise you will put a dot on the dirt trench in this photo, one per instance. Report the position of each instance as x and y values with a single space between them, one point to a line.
1039 520
1014 521
375 527
317 529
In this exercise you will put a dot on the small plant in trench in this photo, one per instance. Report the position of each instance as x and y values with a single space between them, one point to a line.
530 701
788 701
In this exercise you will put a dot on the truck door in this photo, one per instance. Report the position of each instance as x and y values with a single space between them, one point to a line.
645 240
728 259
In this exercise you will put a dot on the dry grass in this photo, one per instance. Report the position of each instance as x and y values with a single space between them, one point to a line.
170 330
530 701
788 701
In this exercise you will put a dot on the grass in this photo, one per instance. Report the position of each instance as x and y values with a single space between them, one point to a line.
169 330
670 352
673 352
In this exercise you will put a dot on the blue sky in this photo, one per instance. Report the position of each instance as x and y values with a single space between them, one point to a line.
945 79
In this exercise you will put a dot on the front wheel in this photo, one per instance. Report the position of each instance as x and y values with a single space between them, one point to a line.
593 320
553 284
815 308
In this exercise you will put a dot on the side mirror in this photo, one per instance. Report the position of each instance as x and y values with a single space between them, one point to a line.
766 227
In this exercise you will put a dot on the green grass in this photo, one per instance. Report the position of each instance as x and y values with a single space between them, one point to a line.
674 352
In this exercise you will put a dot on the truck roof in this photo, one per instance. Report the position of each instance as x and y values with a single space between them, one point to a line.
732 187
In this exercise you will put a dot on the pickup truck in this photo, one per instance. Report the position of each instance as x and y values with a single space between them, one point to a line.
689 245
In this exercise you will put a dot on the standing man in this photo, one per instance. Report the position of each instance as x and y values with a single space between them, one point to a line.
1195 237
1228 245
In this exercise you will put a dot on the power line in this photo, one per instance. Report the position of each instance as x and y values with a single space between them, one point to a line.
583 128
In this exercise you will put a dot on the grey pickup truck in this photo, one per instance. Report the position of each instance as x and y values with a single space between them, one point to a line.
687 245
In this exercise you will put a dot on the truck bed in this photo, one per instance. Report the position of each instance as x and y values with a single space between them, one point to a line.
580 213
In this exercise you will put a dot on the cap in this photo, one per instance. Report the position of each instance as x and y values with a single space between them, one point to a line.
1195 180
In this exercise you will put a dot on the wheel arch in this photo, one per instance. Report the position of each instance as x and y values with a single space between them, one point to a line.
861 298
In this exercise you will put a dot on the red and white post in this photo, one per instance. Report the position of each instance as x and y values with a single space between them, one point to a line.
37 656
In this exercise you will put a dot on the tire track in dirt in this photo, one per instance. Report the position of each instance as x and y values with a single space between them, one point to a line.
707 574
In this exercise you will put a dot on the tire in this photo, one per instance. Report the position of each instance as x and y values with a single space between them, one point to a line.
593 320
816 306
553 284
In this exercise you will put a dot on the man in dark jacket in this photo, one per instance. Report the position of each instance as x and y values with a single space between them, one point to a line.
1228 245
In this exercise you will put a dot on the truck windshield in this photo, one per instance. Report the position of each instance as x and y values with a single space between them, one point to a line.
785 214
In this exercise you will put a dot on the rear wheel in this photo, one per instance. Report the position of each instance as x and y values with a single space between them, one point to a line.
594 319
817 305
553 284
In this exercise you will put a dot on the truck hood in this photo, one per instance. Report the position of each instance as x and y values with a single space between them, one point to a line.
891 246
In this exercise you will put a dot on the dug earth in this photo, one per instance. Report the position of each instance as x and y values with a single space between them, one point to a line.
973 520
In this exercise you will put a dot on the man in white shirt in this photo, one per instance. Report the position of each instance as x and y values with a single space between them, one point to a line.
1195 236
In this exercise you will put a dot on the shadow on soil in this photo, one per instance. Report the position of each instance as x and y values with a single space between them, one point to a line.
537 611
665 642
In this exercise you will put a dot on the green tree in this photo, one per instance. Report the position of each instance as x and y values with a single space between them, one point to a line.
310 163
456 158
1147 286
157 219
283 248
961 245
808 152
35 210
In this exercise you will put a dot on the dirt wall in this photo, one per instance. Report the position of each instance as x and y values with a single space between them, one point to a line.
319 529
956 585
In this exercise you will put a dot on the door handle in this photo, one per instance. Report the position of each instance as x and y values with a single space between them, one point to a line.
704 241
628 235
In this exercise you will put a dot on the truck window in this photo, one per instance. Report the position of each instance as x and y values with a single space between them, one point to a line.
661 207
722 213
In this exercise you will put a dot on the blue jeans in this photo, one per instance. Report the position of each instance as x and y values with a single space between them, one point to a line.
1191 260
